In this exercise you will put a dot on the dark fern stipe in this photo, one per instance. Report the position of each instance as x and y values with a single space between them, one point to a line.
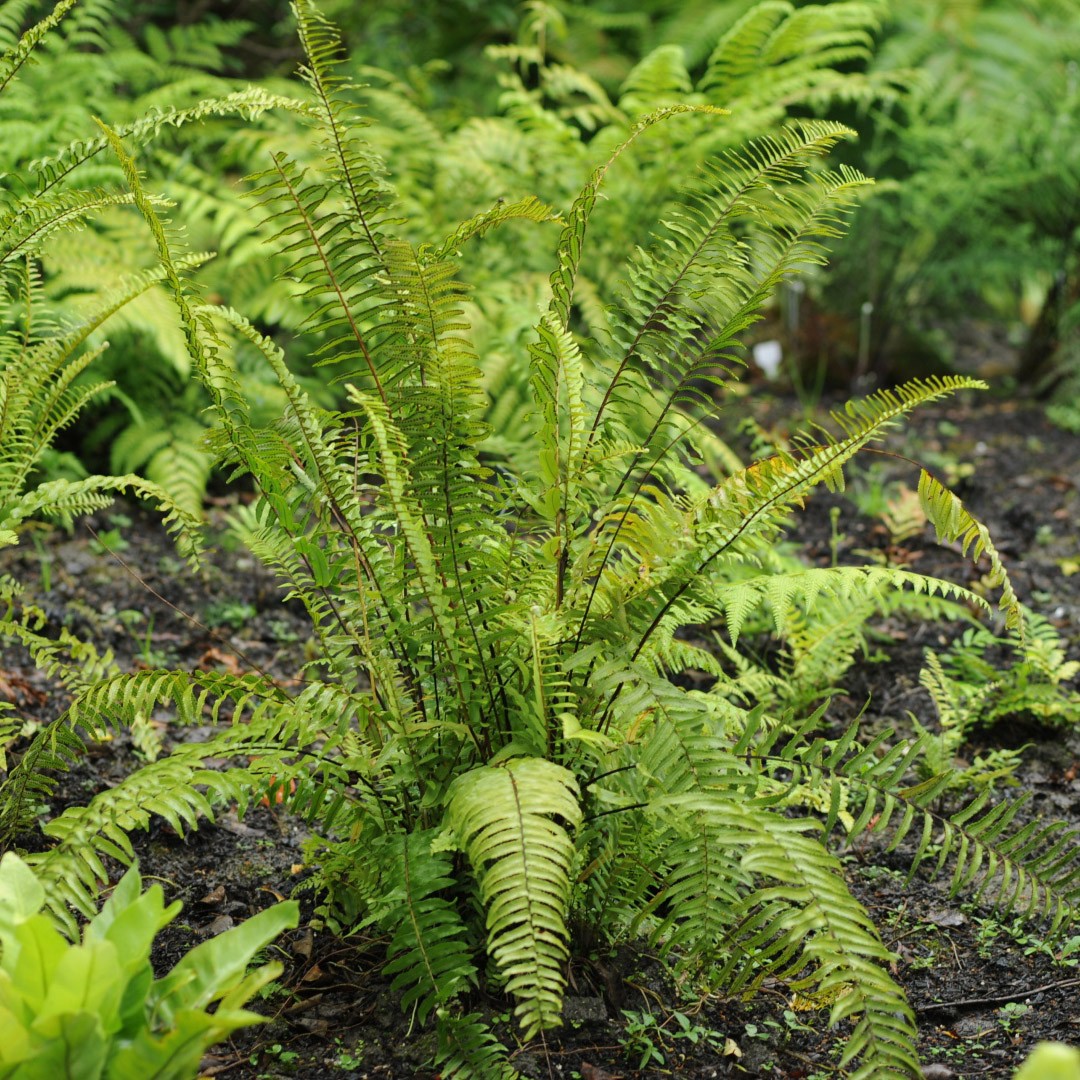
491 738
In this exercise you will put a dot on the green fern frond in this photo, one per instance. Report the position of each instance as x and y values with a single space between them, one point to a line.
673 303
743 511
776 54
808 917
104 700
395 472
65 499
573 237
467 1050
529 208
180 462
15 56
1035 683
10 726
1033 870
428 955
660 78
556 369
31 781
218 380
26 224
750 890
283 739
351 165
820 646
781 592
38 370
72 870
513 823
953 524
248 104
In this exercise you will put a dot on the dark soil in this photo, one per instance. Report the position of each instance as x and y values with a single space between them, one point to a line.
984 990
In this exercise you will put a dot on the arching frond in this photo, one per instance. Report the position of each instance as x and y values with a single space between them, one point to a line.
513 821
1032 870
953 523
428 955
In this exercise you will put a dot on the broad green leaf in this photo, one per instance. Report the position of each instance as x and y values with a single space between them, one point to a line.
21 894
31 954
216 966
88 979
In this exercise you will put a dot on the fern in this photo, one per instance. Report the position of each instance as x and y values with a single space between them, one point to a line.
16 54
981 146
499 618
958 707
1035 683
953 523
83 66
512 822
428 955
1032 869
468 1050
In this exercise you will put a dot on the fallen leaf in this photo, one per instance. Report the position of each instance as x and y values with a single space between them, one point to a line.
947 918
936 1071
213 897
302 945
214 656
594 1072
314 1026
231 823
18 691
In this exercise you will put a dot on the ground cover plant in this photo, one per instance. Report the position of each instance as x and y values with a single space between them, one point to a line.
94 1009
493 738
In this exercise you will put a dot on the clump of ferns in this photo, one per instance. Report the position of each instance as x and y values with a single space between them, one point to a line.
49 348
48 358
490 736
55 76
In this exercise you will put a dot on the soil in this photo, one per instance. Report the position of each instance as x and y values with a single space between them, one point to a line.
984 990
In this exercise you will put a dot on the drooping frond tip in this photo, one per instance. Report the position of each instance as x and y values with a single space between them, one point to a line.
954 524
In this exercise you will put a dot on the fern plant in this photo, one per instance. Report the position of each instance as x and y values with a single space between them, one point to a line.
50 350
47 347
958 706
42 354
490 737
978 157
1035 684
77 64
558 115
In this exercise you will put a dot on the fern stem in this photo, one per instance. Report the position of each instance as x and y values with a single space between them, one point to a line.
332 278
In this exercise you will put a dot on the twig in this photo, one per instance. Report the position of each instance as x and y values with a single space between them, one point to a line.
212 634
968 1004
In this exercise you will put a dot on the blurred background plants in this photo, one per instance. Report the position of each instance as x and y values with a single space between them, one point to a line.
964 254
145 412
972 231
